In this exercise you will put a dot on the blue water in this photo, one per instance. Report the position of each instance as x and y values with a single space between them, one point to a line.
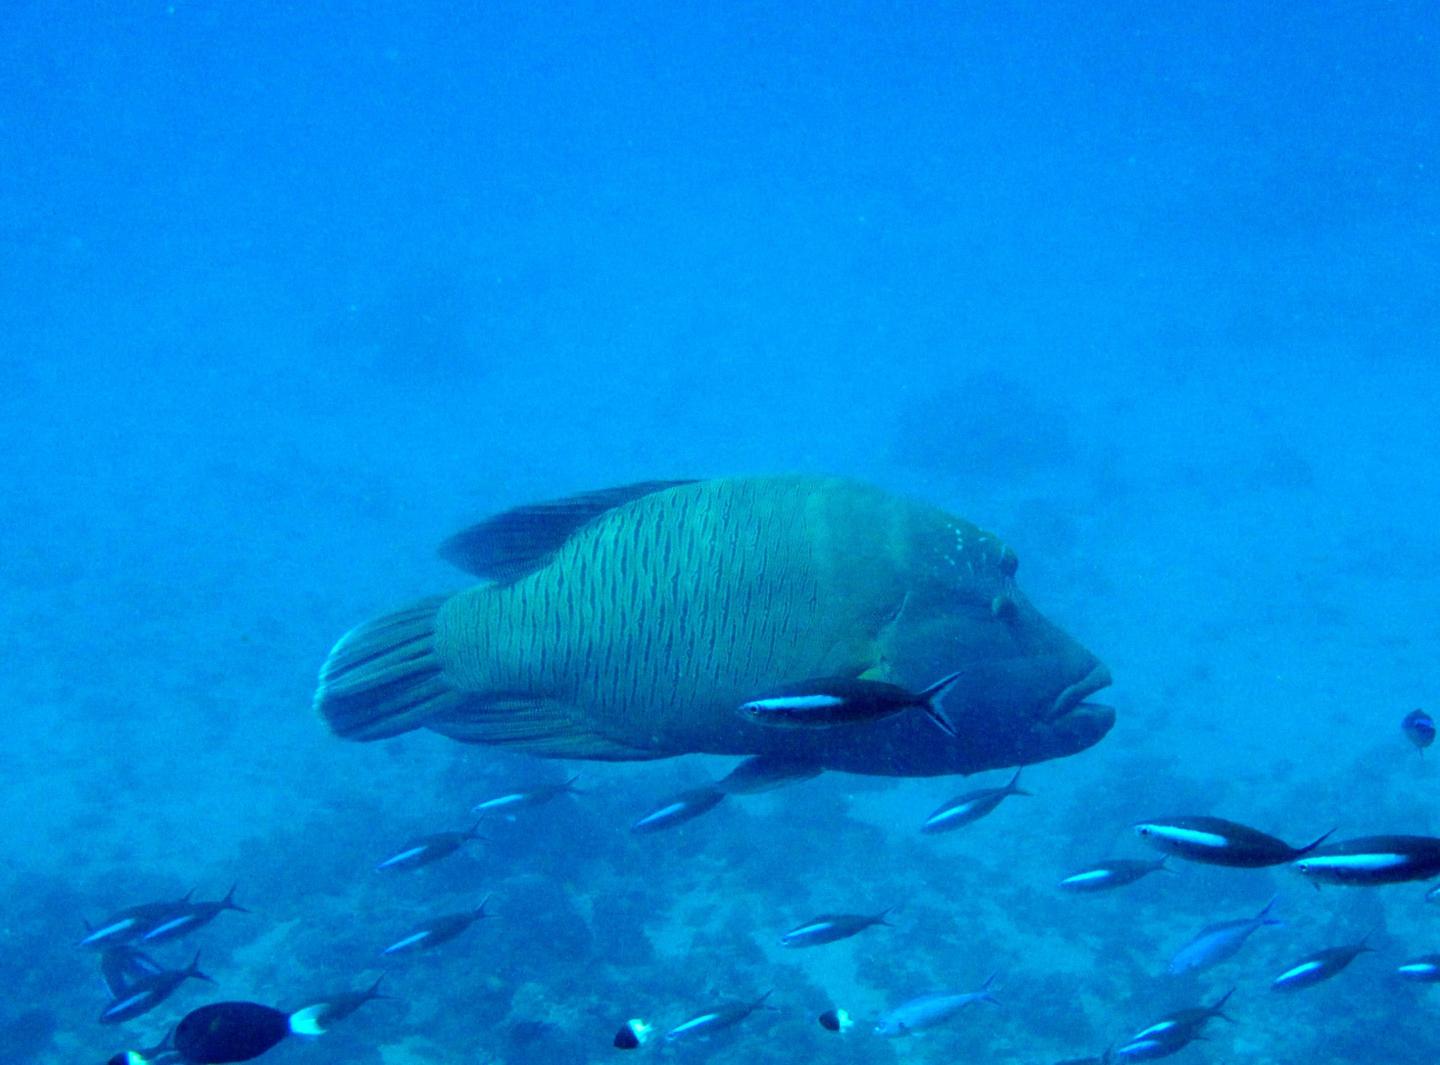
293 291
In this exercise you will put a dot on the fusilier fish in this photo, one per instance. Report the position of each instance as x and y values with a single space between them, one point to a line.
422 850
1184 1023
144 993
1112 874
437 930
686 806
329 1010
930 1010
524 800
1216 841
630 623
831 928
1319 967
970 807
724 1015
1219 942
1422 970
1373 860
188 917
835 701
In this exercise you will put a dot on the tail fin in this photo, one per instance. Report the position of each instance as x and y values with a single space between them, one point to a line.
382 678
1014 786
931 700
1264 915
1217 1008
229 903
984 994
1302 851
193 971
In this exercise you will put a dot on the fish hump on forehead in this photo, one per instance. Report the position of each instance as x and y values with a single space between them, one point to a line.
517 542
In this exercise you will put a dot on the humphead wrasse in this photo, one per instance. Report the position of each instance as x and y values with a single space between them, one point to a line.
633 623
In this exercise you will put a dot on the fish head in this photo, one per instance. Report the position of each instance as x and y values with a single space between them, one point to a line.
1024 686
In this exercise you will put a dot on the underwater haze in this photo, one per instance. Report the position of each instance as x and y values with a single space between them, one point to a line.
294 291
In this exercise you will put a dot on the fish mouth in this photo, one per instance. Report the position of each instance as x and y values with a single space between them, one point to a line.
1074 697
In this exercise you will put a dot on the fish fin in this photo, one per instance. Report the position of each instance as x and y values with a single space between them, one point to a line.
1302 851
382 677
229 903
310 1020
1014 787
520 541
543 727
940 721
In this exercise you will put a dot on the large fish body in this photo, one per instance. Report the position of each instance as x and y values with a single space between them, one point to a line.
629 624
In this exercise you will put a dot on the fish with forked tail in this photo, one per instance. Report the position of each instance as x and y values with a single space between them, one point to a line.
630 623
835 701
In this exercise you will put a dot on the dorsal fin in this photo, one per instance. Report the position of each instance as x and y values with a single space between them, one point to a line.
520 541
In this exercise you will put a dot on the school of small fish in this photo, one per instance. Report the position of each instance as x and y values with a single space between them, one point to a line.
229 1031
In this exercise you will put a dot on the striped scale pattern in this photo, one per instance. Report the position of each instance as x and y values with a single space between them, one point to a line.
653 623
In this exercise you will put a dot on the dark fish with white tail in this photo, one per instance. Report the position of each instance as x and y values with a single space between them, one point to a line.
1318 967
629 623
512 801
145 993
189 917
1220 942
831 928
225 1032
766 772
686 806
1216 841
422 850
832 701
929 1010
1111 874
717 1018
1372 860
437 930
970 807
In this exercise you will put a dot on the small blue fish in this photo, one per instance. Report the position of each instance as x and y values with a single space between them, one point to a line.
831 701
437 931
1184 1024
831 928
686 806
1111 874
765 772
524 800
422 850
929 1010
188 917
1319 967
121 966
1419 728
1219 942
970 807
145 993
725 1015
1422 970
